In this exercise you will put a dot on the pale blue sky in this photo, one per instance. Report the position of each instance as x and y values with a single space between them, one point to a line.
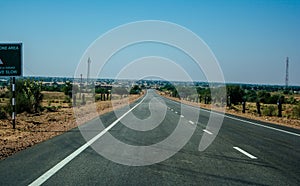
251 39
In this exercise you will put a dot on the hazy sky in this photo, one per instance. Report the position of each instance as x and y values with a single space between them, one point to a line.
250 39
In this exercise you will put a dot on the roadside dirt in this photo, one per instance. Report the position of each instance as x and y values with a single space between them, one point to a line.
35 128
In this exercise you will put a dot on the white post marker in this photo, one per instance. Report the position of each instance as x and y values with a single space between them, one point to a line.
13 102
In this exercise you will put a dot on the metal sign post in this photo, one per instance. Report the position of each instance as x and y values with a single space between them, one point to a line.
13 100
11 65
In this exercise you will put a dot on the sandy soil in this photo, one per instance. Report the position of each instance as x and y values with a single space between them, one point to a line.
35 128
293 123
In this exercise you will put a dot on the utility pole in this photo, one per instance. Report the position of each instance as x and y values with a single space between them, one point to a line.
88 70
88 73
287 73
80 86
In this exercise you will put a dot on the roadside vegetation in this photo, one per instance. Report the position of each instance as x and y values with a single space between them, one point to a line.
46 110
259 102
34 97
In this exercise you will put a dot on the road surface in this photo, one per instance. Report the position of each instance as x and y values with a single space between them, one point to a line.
244 152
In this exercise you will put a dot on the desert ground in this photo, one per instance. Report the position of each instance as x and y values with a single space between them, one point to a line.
55 120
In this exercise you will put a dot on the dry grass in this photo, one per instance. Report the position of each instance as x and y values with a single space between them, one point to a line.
35 128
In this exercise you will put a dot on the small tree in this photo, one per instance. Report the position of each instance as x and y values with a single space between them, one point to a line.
135 90
251 95
236 94
264 96
28 96
102 92
69 89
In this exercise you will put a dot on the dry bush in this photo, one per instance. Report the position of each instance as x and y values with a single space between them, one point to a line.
296 112
269 110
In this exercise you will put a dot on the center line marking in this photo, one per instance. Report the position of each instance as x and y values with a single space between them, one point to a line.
208 132
40 180
191 122
245 153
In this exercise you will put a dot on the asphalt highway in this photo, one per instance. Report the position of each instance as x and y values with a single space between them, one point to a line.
243 152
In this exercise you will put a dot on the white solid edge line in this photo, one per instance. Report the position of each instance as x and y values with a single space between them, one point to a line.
268 127
208 132
245 153
245 121
40 180
191 122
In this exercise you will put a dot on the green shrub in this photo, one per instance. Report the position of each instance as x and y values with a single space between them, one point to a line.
270 110
69 89
291 100
28 96
264 96
236 93
3 114
97 97
296 111
135 90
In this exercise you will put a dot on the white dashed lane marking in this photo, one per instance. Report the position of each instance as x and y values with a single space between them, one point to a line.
191 122
40 180
245 153
208 132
